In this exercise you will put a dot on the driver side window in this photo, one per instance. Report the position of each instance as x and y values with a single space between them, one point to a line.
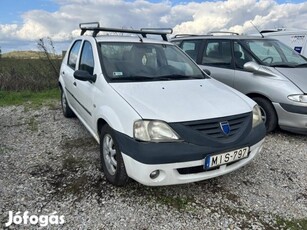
87 59
241 56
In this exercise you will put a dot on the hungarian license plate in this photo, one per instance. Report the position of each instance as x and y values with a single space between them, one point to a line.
212 161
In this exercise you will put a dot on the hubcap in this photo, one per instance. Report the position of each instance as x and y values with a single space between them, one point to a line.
263 114
109 153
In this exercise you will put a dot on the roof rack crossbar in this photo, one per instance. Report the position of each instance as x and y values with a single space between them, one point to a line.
144 31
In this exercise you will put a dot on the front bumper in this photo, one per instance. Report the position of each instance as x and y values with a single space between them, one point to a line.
293 119
171 173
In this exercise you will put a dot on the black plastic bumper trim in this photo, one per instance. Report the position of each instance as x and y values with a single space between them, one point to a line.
163 153
294 108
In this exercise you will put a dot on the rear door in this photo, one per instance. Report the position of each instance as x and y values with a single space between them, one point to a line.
216 56
84 90
68 70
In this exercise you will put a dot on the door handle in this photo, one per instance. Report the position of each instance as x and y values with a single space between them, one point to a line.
75 84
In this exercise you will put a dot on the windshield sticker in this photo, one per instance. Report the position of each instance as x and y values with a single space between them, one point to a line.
298 49
144 60
117 74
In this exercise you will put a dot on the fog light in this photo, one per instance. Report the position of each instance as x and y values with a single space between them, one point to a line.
154 174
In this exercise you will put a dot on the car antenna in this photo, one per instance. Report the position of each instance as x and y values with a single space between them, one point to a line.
257 29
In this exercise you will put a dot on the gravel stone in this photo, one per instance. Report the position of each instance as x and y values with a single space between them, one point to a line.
49 164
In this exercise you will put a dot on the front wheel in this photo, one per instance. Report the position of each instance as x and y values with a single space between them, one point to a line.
111 158
268 113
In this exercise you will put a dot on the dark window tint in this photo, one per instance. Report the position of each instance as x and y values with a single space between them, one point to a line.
73 54
87 59
191 47
217 53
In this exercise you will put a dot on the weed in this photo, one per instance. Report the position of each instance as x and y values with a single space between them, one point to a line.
79 143
4 149
33 125
27 74
294 224
71 163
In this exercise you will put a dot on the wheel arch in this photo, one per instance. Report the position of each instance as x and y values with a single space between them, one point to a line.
100 123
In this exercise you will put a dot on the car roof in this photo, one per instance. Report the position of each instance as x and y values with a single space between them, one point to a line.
132 38
229 37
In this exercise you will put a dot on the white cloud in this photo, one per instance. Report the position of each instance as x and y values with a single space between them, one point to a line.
189 17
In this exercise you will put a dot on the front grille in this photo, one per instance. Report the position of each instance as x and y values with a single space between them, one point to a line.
211 127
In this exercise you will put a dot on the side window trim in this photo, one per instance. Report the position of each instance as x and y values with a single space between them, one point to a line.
81 52
78 54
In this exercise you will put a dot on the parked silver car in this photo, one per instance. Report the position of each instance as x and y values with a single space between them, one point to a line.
266 70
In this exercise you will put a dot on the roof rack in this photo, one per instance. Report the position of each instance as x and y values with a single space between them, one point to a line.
222 32
189 35
94 26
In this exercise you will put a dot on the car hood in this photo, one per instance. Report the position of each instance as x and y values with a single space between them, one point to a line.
183 100
296 75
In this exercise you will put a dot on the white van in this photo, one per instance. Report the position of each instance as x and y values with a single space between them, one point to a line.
294 38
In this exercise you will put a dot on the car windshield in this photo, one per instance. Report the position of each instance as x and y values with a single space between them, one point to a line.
146 62
274 53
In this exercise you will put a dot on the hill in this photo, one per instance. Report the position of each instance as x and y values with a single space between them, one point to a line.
26 54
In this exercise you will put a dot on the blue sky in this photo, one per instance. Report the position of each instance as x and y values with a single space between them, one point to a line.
23 22
11 10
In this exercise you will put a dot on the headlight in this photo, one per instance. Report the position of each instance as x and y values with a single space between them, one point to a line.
298 98
256 116
155 131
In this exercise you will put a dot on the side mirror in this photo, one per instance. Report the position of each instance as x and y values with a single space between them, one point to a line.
258 69
208 72
251 67
83 75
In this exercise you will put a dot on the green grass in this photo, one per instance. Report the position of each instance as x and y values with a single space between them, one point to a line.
34 98
294 224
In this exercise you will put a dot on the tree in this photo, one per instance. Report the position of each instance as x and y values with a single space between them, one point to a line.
0 52
46 46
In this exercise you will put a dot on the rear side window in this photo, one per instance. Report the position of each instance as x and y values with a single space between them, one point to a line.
191 47
87 59
217 53
73 54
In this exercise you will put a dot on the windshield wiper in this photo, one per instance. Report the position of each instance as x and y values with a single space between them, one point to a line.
176 77
133 78
282 65
301 65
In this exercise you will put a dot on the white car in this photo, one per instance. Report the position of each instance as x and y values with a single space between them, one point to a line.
158 117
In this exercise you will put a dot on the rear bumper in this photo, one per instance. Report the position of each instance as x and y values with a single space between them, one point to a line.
290 119
169 173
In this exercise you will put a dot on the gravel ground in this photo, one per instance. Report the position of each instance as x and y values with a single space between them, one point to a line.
51 164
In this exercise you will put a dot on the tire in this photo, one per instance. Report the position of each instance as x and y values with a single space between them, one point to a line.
67 112
268 113
112 162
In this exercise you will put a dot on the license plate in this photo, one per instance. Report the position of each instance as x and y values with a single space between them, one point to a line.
212 161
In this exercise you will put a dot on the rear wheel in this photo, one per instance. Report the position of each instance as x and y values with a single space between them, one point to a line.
67 112
111 158
268 113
